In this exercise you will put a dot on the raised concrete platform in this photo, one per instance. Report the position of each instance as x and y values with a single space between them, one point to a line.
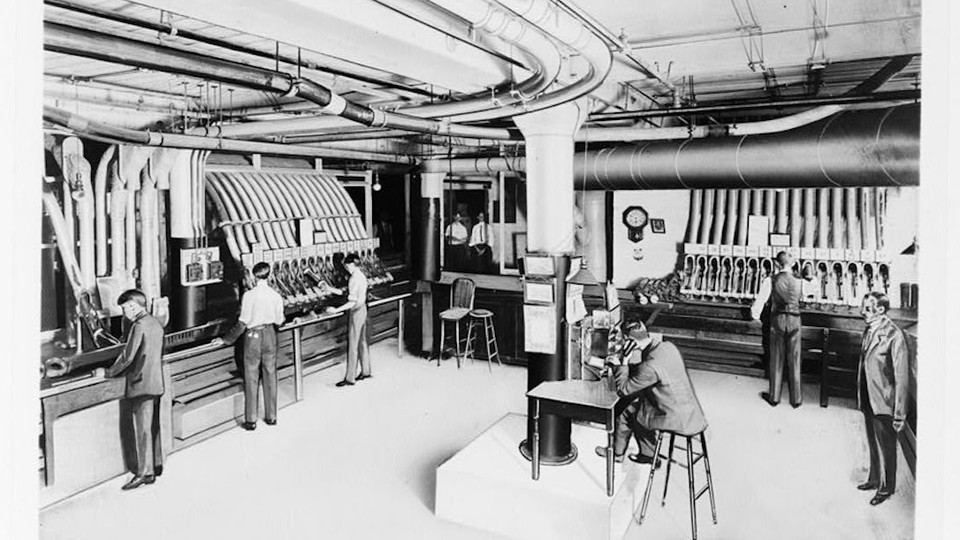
487 485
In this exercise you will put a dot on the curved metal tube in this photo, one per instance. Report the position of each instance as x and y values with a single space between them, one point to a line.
836 218
853 224
100 204
693 224
719 217
707 221
795 224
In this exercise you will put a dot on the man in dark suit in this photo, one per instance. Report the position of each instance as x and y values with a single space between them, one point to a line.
882 386
140 363
782 292
653 374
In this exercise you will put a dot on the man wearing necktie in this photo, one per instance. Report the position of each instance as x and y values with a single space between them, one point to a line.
882 383
480 249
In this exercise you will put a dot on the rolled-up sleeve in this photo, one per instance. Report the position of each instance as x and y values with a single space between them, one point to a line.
762 296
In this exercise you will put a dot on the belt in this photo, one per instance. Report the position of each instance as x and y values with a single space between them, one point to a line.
259 327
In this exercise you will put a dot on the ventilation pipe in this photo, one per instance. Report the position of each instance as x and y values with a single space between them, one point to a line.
719 216
868 218
730 226
854 148
87 44
769 210
853 224
149 235
781 195
756 203
707 223
795 223
836 217
100 206
823 217
744 216
809 219
696 209
76 172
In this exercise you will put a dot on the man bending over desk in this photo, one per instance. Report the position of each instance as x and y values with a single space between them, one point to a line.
651 373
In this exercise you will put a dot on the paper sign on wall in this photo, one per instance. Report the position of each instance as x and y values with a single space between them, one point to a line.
540 329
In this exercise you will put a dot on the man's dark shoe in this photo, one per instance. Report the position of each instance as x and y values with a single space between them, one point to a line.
602 452
270 421
880 497
643 460
868 486
796 405
766 397
249 426
157 470
344 383
137 481
149 479
362 377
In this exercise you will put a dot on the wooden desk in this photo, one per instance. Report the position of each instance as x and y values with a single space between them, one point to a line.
593 401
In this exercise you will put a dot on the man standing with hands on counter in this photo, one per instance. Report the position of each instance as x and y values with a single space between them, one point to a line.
140 363
260 309
357 343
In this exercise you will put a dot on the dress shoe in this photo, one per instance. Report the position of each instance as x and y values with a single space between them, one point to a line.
344 383
249 426
880 497
766 397
643 460
158 470
602 452
362 377
149 479
137 481
270 421
868 486
795 405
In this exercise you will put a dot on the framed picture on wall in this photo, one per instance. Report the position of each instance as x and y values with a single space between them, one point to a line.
658 226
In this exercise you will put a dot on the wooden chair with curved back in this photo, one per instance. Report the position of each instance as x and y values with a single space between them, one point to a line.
461 303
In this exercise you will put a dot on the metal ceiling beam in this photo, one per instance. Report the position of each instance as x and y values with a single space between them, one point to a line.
907 95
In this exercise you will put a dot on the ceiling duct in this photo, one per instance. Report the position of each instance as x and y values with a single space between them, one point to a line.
877 147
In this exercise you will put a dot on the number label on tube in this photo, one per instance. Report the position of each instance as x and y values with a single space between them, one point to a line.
766 251
753 251
850 254
837 254
794 252
882 257
807 253
739 251
713 249
823 254
868 255
726 251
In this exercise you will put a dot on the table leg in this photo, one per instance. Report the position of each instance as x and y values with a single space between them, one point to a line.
400 307
297 365
48 461
610 461
535 445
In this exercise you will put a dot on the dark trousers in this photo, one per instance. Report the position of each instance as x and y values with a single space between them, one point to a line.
143 414
626 424
785 347
260 356
882 442
358 346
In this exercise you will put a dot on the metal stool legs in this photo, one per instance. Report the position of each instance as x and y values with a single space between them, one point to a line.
443 341
694 494
489 336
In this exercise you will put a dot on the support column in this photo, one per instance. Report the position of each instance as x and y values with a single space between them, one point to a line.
427 267
550 231
594 241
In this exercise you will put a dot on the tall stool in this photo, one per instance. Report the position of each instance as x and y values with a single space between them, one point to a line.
485 317
692 459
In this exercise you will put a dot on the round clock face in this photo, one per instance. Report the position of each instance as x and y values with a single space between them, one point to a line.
635 217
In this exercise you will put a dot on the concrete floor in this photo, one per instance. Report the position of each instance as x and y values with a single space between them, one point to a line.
360 462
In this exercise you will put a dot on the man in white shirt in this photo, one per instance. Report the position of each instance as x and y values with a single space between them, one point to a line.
480 253
455 232
260 309
782 291
357 343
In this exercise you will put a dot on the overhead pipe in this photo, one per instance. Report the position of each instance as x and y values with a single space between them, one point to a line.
100 208
494 20
876 97
101 131
85 43
568 30
855 148
327 64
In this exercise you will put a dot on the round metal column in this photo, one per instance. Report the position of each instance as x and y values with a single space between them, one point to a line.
550 231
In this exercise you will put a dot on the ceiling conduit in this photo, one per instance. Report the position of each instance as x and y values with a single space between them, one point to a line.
84 43
852 148
101 131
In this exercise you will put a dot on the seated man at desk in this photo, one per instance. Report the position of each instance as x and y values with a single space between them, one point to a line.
651 373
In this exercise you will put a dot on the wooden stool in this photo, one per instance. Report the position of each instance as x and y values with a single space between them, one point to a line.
692 459
485 316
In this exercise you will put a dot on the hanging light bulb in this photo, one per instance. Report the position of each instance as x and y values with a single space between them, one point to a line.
376 181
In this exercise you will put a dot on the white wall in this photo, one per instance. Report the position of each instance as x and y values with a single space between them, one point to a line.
659 250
